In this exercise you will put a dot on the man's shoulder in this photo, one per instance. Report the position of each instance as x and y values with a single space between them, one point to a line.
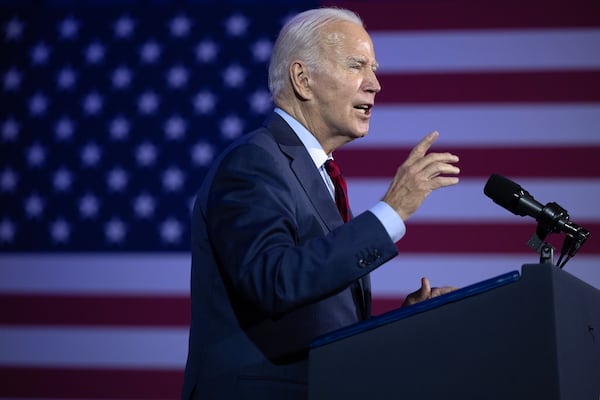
269 136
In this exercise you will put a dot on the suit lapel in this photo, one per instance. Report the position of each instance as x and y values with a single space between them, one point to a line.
311 181
304 168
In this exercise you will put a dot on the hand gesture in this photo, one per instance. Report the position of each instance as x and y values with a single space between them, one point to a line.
419 175
426 292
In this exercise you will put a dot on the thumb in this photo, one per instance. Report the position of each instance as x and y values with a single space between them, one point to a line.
425 286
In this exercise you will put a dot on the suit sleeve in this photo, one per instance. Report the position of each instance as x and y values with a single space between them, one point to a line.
253 219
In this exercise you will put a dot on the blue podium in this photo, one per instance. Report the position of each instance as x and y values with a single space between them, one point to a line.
533 334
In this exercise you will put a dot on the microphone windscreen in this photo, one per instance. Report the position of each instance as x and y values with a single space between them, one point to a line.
503 191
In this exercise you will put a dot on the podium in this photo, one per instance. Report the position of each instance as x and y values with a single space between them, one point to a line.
528 335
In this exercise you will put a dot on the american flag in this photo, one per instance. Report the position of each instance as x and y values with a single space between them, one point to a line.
112 112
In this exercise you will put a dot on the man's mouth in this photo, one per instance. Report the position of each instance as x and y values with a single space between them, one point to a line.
364 108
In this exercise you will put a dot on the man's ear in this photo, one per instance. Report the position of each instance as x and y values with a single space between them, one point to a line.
300 80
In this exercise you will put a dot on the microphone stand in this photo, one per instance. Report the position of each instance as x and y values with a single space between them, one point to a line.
547 254
545 249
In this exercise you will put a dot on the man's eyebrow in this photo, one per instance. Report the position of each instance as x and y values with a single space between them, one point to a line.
363 61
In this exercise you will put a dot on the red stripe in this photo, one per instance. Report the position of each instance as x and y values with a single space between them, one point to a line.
34 309
66 383
382 304
495 87
486 238
541 162
473 14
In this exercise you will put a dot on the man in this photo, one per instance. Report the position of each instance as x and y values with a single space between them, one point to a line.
273 263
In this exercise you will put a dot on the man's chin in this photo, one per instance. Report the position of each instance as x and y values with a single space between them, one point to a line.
361 133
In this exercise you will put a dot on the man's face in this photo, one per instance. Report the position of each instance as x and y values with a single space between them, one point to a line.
345 85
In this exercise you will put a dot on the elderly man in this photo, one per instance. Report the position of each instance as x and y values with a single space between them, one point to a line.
274 262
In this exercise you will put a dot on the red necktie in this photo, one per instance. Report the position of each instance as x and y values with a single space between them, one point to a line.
339 183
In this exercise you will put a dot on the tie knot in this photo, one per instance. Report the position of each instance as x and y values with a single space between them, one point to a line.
332 169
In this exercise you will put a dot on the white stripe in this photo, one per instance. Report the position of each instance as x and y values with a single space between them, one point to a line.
467 202
542 49
403 274
100 273
93 347
484 125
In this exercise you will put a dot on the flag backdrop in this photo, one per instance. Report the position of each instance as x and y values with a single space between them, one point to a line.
111 113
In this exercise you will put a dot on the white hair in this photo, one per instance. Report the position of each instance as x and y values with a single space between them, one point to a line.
300 38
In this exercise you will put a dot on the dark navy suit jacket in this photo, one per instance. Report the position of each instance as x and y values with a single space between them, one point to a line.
273 266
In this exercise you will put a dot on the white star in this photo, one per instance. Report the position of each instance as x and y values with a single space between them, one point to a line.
180 26
234 76
260 102
60 231
261 50
123 27
231 127
172 179
90 154
177 77
148 102
236 25
119 128
117 179
8 180
171 231
88 206
204 102
10 129
40 53
7 231
68 28
63 129
145 154
38 104
34 206
36 155
202 154
150 52
175 127
206 51
92 103
143 205
121 77
94 53
13 29
62 180
115 230
66 78
12 79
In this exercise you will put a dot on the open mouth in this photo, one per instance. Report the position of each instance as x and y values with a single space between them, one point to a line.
364 108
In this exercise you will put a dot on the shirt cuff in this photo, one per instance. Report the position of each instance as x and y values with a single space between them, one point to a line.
390 220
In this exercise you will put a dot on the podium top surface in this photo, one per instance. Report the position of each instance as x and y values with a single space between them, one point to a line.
404 312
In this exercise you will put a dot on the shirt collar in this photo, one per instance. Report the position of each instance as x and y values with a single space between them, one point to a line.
312 145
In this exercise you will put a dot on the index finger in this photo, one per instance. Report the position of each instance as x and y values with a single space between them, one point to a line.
421 148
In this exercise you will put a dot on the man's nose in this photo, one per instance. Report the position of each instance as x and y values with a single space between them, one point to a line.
371 83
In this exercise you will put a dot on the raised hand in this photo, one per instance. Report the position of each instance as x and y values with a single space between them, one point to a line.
419 175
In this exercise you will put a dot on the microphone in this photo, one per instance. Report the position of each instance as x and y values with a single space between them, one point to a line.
517 200
550 217
511 196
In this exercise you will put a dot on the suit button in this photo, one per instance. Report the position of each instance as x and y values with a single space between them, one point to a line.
370 258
